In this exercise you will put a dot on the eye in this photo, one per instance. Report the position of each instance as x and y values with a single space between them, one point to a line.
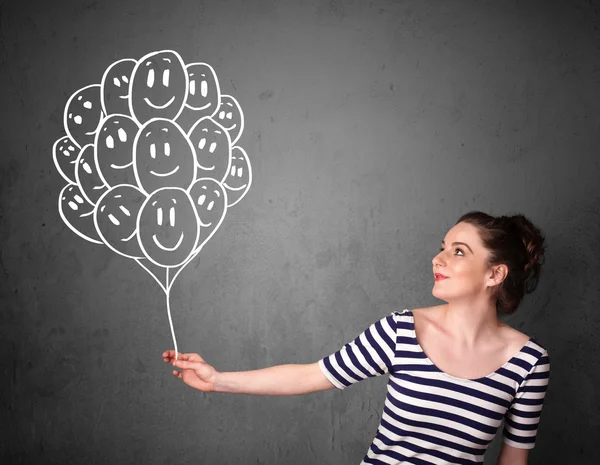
166 78
172 216
150 81
442 249
159 217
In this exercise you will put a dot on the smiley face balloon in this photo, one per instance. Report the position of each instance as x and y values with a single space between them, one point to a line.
163 156
87 176
210 200
231 117
159 86
115 217
212 145
168 227
114 150
239 177
83 115
115 87
78 213
65 153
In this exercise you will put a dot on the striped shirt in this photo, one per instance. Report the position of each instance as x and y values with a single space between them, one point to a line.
431 417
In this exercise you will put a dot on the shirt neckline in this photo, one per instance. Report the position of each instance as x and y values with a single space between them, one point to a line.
495 372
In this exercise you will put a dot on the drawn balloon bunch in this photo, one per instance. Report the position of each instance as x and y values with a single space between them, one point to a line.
151 162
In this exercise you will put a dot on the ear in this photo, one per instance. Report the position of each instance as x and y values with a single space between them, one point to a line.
498 274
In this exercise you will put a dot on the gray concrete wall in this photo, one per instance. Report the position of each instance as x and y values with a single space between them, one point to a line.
371 127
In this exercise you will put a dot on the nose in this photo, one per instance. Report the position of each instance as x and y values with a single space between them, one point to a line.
437 260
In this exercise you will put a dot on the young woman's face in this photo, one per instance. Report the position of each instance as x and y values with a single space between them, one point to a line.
462 258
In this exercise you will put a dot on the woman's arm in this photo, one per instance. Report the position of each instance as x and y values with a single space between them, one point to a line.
512 456
279 380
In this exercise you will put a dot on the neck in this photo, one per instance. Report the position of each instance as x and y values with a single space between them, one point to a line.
469 324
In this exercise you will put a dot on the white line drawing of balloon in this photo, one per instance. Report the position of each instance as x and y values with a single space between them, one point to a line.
113 149
115 87
203 204
168 227
212 146
83 114
115 218
151 164
87 176
159 86
163 156
231 117
239 177
64 154
77 213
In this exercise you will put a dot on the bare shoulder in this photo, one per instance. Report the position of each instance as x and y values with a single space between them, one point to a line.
515 338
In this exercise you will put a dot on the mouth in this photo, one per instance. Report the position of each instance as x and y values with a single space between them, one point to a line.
165 174
234 188
439 276
204 107
205 225
231 127
205 168
168 249
127 239
120 167
159 107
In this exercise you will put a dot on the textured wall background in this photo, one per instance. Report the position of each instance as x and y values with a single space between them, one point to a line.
371 127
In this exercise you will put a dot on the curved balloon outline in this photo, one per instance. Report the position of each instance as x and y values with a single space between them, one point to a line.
137 66
199 247
65 118
249 176
229 147
57 165
77 173
237 104
96 144
134 151
216 81
71 227
137 224
128 85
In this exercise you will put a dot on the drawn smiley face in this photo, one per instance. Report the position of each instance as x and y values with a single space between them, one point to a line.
159 86
204 94
212 145
168 227
77 213
65 153
231 117
87 175
115 218
163 156
239 176
114 150
83 115
210 200
115 87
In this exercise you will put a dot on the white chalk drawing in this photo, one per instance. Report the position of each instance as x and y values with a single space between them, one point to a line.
151 162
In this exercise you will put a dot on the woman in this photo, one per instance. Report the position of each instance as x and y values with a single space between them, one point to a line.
456 371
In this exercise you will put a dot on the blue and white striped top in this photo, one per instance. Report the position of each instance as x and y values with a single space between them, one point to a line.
431 417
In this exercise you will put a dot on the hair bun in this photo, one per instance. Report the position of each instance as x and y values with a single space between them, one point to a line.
534 242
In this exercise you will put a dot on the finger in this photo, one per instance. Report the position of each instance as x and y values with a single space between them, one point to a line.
187 365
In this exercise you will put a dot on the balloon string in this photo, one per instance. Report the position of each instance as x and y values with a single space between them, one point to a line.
167 292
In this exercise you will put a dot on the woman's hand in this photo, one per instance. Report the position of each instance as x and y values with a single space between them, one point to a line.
195 371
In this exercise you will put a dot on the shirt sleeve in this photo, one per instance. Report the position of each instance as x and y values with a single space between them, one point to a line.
370 354
522 418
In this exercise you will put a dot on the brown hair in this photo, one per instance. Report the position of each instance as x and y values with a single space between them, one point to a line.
515 242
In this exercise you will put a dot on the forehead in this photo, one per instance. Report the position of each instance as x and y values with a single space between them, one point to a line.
463 232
